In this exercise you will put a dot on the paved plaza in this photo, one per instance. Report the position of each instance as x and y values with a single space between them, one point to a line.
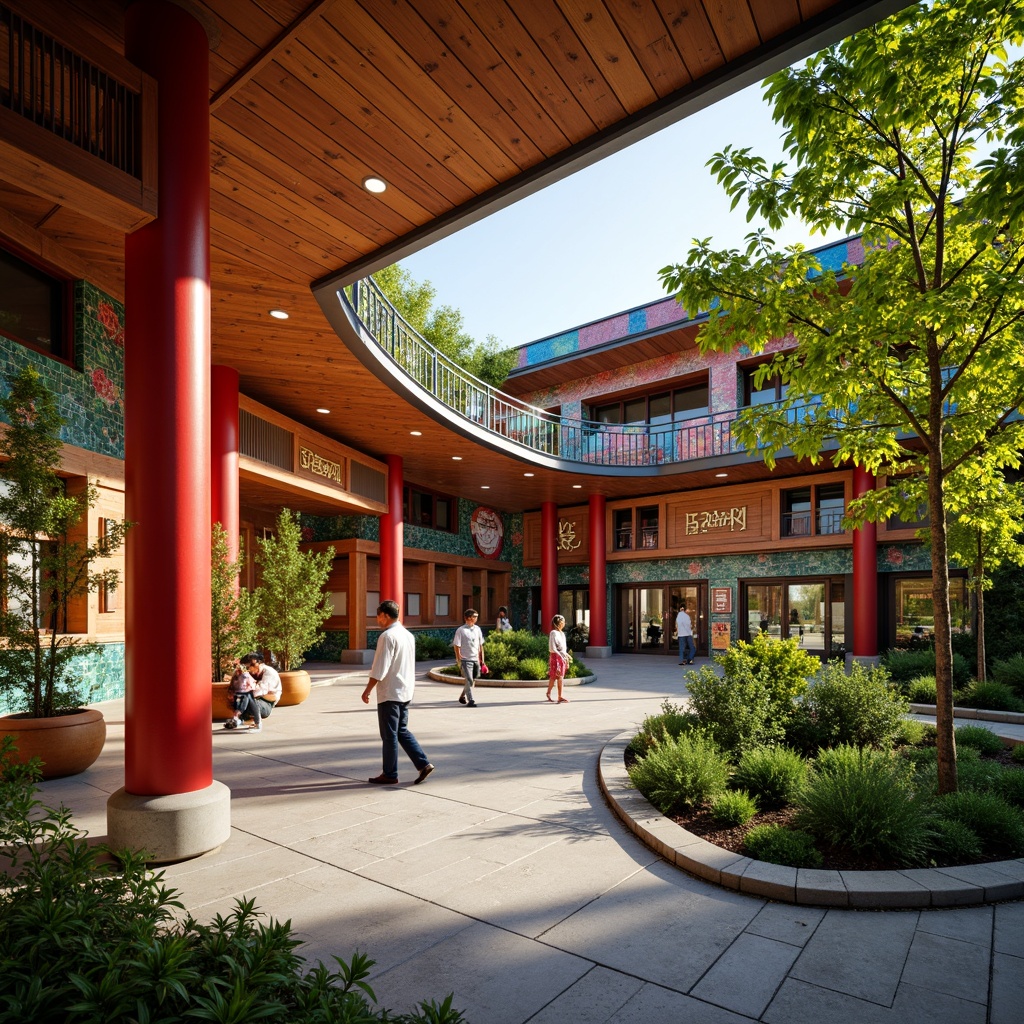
506 879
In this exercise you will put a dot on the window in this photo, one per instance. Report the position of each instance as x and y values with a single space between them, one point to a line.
915 610
810 511
33 306
659 409
412 604
441 606
770 390
372 601
427 508
338 601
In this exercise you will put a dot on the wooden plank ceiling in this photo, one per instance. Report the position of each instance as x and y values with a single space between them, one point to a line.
461 106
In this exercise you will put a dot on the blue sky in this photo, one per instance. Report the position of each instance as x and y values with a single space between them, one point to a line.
592 245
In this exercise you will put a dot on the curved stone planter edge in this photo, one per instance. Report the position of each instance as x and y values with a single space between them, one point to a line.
441 677
910 887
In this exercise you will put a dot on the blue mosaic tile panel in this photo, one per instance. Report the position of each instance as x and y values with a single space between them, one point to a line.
101 672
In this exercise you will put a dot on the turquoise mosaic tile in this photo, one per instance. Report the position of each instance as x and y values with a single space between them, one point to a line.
101 672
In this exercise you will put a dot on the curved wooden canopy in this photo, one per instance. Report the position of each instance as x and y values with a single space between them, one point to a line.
462 107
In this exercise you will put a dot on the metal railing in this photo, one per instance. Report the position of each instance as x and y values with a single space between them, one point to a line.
583 441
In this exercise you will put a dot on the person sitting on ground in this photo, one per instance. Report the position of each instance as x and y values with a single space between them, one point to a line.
242 695
268 687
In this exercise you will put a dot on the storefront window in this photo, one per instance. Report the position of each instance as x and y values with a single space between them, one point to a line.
915 610
764 609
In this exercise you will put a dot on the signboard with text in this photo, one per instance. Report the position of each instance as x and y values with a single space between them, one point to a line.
721 600
721 635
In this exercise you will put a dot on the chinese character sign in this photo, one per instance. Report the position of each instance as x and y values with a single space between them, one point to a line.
314 463
567 540
732 519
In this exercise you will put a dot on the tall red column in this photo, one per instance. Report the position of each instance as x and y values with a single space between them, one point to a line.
168 747
224 453
598 573
392 546
865 576
548 563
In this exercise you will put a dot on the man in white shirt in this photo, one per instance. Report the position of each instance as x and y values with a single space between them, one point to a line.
268 685
469 652
684 630
393 672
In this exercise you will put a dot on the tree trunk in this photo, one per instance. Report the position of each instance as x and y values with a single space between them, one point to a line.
979 619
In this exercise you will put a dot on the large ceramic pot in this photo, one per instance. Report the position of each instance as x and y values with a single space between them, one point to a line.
294 687
66 744
222 709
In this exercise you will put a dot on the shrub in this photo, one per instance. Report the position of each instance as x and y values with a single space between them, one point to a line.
114 949
981 739
953 842
431 648
863 801
773 774
913 733
991 696
998 826
734 807
782 666
679 774
861 707
1010 672
577 670
1017 753
533 668
777 844
673 721
1010 786
906 665
921 690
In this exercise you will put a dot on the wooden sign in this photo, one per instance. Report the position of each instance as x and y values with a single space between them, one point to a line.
721 600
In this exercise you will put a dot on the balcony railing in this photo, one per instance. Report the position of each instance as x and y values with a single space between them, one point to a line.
583 441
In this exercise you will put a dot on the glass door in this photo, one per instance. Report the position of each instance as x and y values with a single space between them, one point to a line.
645 619
690 597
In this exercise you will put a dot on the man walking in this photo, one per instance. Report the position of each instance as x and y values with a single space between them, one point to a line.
469 653
684 631
393 672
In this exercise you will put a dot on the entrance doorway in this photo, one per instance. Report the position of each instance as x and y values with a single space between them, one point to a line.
645 616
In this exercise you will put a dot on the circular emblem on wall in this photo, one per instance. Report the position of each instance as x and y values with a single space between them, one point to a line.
487 530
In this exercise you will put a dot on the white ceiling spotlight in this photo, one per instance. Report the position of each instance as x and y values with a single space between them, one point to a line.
279 314
374 184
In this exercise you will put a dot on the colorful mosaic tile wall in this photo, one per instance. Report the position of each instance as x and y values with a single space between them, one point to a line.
90 397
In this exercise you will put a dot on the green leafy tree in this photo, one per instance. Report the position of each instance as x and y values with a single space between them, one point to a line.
47 557
233 626
290 601
444 326
911 362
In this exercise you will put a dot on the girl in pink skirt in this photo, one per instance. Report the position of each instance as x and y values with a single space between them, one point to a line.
558 658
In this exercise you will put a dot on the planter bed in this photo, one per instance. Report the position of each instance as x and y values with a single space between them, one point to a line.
442 677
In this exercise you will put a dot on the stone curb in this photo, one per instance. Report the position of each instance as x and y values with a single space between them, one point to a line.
977 715
911 887
440 677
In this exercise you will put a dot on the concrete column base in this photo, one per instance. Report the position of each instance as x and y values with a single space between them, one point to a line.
867 660
169 828
357 657
598 652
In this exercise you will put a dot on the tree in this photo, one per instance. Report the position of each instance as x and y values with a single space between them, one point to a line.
47 557
911 363
233 629
444 326
291 604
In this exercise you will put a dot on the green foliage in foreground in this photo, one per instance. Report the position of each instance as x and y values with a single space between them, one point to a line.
775 775
990 696
94 938
983 740
734 807
520 654
682 773
777 844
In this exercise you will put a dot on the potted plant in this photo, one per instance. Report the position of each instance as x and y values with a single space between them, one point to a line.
290 602
233 629
47 563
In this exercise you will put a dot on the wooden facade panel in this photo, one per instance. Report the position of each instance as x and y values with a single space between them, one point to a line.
572 538
693 35
725 520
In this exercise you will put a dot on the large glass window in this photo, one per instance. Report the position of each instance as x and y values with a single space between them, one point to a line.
658 409
807 511
771 389
810 611
32 306
915 609
427 508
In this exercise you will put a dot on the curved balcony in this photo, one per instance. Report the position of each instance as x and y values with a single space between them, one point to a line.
376 333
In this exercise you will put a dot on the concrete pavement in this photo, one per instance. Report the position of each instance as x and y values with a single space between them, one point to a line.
506 879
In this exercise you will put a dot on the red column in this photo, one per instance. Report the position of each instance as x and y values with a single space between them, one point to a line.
865 576
548 564
598 574
168 747
224 453
392 548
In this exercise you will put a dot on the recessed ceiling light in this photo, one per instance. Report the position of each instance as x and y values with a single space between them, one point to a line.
456 458
577 487
527 474
485 487
279 314
721 474
324 411
374 184
416 433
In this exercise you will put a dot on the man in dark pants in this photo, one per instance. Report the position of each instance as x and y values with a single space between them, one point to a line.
393 672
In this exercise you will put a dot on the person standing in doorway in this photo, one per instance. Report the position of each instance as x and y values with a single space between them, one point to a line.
684 630
393 673
469 652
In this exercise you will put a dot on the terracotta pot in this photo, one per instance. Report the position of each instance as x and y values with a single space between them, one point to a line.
66 744
222 709
294 687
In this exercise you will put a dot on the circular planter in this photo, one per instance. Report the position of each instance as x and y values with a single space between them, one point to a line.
294 688
66 744
221 706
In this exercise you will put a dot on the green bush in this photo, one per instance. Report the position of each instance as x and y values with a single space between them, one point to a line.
921 690
906 665
92 936
998 825
533 668
1010 672
862 707
863 801
1017 753
1010 786
577 670
777 844
953 842
983 740
734 807
682 773
773 774
990 696
913 733
673 721
431 648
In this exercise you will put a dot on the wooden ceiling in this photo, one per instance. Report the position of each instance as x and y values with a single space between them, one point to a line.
462 107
